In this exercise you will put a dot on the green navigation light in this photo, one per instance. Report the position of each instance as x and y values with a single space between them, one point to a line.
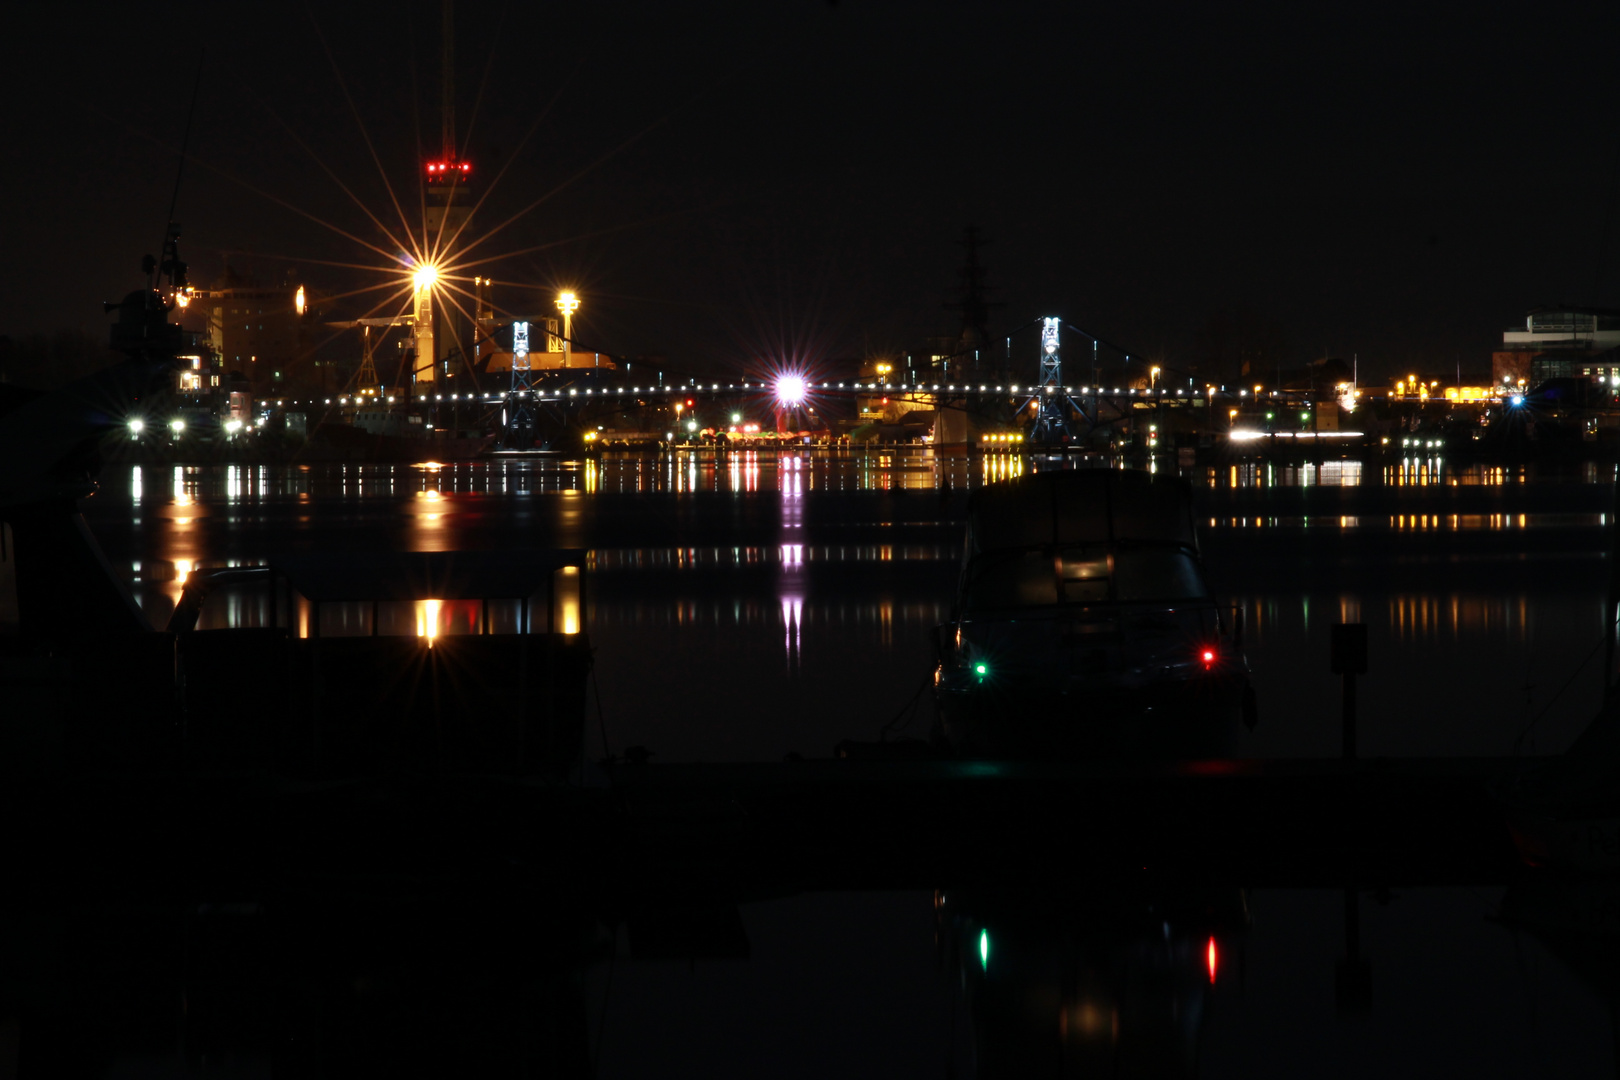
982 669
984 950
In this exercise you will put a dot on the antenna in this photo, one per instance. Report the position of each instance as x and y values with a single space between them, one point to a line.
448 108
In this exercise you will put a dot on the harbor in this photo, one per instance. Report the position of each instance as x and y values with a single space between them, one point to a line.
822 541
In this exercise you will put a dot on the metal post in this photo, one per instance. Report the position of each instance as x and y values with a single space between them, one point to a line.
1349 659
1349 715
1612 604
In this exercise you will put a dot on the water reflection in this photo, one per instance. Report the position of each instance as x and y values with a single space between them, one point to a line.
1125 980
791 587
816 470
1412 522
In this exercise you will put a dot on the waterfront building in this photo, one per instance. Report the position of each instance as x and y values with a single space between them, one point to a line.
258 331
1560 343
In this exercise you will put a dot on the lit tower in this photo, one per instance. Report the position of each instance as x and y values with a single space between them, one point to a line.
567 303
427 367
1051 425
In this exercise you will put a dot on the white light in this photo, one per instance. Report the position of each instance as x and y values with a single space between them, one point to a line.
233 426
177 426
136 426
791 390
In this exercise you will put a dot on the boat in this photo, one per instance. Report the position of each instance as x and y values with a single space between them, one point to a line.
1083 625
347 664
314 666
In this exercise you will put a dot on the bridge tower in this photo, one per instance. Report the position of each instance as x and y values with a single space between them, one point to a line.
1051 422
518 417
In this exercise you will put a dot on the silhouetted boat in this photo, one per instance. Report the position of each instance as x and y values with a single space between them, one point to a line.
442 661
449 671
1083 624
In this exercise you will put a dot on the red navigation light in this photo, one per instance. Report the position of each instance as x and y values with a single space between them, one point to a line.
1209 657
1209 956
466 168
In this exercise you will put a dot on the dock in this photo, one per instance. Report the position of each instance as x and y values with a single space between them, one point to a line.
741 830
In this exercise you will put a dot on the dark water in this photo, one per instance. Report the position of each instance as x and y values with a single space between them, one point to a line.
750 608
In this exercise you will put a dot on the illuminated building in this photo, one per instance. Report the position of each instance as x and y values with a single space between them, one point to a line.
1560 343
256 330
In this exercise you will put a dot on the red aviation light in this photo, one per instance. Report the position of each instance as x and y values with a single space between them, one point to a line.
1209 658
1210 958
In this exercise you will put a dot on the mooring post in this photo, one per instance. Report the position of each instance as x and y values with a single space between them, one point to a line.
1349 659
1352 983
1611 606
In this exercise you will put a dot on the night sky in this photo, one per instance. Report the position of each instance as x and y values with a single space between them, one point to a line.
1385 181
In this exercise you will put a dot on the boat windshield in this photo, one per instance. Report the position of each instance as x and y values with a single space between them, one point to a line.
1044 576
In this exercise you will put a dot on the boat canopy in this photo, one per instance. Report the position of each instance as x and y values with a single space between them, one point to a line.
1080 507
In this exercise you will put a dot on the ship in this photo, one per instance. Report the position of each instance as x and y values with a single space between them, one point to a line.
1083 625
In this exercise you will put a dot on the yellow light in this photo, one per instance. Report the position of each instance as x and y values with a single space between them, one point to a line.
298 300
567 586
182 299
427 619
426 276
567 302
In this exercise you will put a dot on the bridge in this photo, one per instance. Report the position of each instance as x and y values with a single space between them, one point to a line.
1041 411
1049 409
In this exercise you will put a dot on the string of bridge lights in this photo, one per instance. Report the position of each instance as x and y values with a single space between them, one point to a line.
788 393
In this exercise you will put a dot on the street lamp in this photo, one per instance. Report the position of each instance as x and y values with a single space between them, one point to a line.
567 303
